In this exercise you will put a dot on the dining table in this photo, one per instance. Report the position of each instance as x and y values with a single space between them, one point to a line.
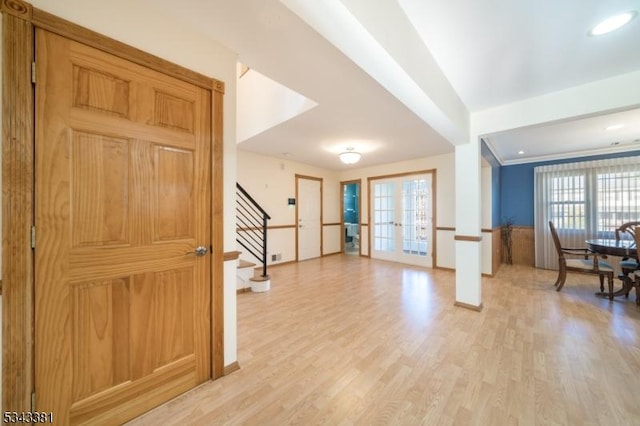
613 247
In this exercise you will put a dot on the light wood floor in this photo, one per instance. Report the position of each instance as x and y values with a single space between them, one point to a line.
348 340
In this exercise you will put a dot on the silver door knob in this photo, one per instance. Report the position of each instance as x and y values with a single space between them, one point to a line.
200 251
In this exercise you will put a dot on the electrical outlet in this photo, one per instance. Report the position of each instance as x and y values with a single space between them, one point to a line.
275 257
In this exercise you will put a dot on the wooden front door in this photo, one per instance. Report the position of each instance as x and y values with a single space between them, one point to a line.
122 311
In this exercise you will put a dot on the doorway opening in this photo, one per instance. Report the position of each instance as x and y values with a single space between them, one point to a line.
351 214
402 209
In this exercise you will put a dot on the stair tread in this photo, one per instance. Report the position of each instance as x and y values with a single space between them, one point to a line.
244 264
260 278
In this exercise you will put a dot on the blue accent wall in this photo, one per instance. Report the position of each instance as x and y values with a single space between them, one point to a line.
496 175
516 188
496 196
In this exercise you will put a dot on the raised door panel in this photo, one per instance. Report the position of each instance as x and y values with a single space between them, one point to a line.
100 91
173 193
100 184
101 336
123 307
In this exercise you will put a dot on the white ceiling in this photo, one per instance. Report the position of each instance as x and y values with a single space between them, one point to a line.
492 53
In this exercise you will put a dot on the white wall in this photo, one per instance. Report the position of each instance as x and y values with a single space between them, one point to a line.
445 201
487 243
264 103
140 25
271 182
443 164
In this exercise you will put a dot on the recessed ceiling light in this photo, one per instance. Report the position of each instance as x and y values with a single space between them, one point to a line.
614 127
612 23
521 152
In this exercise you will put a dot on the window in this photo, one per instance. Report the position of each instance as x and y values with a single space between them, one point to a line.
584 200
618 199
568 202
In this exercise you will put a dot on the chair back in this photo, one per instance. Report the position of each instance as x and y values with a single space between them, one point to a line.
556 240
627 228
636 236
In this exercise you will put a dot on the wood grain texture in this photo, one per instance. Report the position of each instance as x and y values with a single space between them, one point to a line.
468 306
524 251
122 312
19 20
472 238
16 8
496 250
217 237
350 340
17 208
231 255
231 368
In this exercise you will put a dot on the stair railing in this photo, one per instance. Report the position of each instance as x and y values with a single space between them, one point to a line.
251 226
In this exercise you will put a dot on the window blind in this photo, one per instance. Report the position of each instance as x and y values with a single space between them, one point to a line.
584 200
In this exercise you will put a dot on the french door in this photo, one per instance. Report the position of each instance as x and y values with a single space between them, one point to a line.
401 213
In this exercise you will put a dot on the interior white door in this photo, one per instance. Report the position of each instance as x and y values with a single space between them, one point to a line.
402 219
309 218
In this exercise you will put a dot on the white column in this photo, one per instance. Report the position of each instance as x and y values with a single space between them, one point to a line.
468 225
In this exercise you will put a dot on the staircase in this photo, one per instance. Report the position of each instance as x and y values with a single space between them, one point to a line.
251 234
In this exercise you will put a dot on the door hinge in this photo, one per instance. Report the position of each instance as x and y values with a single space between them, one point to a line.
33 237
33 72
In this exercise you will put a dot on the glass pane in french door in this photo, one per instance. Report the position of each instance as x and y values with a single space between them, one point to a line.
416 214
384 217
401 210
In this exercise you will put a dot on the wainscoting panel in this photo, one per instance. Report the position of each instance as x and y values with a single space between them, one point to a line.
496 249
523 245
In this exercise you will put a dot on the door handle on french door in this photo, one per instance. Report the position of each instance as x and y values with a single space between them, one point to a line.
199 251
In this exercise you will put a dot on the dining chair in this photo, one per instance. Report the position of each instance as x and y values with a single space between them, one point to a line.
627 265
586 263
636 273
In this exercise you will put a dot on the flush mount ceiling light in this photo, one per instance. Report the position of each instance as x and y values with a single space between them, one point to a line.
350 156
612 23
